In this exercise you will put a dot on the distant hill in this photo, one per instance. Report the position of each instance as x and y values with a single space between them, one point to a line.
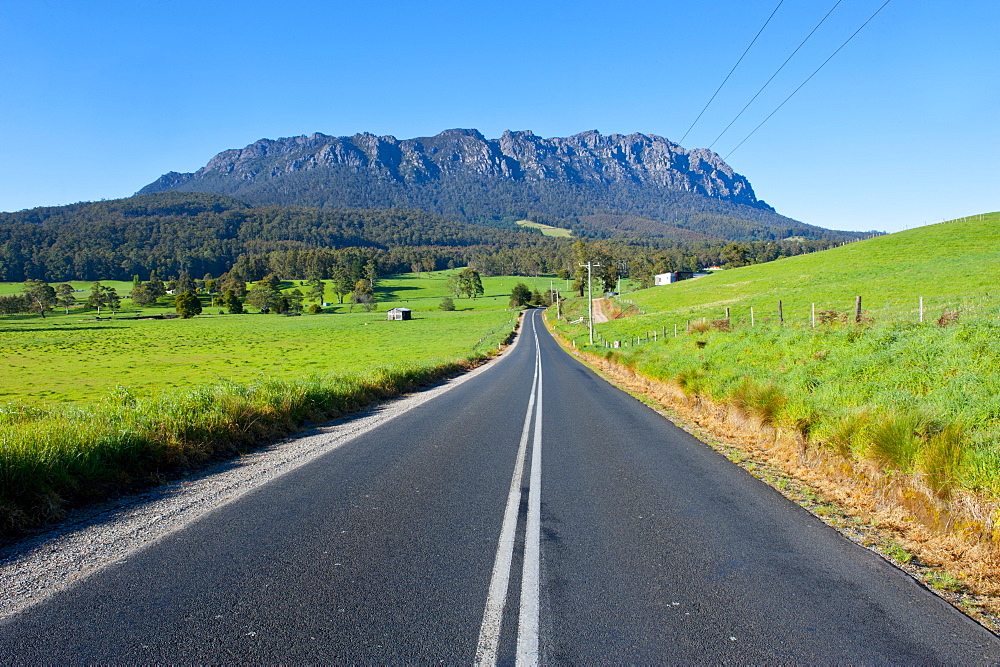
588 182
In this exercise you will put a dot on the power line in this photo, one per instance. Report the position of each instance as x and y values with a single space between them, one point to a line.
766 83
731 71
809 77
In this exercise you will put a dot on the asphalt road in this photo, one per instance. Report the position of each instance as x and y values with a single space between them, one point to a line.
533 514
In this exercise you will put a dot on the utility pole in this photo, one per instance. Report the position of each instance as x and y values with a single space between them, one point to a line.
554 294
590 299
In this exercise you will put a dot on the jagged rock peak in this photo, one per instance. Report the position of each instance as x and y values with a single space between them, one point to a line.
585 157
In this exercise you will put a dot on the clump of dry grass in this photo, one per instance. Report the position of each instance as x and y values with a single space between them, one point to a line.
948 317
763 401
699 327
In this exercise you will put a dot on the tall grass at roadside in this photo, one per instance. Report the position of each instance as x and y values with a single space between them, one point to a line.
920 400
53 457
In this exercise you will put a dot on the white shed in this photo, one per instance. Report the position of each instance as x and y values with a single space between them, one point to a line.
665 278
399 314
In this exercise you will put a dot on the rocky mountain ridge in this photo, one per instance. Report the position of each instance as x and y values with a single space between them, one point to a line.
602 186
584 158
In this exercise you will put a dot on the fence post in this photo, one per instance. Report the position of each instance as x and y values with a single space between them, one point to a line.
921 309
781 314
675 331
751 316
857 309
814 315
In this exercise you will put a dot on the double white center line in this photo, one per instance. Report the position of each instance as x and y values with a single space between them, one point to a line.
527 632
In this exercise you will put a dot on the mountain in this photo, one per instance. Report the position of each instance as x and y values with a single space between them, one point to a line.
574 182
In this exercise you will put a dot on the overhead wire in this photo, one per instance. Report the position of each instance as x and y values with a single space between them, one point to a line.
809 77
747 50
766 83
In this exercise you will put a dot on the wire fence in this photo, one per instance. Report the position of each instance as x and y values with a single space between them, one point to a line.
507 327
934 310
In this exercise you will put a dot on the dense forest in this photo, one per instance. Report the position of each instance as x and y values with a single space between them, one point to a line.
174 232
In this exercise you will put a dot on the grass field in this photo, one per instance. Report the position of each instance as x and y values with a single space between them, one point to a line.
425 291
72 358
920 399
951 265
62 359
547 230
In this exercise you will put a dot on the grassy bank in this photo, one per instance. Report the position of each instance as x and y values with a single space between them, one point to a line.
909 406
53 458
920 400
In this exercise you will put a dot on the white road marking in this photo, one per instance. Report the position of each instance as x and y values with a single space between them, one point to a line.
489 633
527 634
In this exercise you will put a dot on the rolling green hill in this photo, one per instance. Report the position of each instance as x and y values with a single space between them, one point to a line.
952 265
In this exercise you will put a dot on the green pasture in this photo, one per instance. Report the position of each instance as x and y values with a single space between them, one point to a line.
65 358
425 291
422 291
82 287
952 265
76 358
91 407
547 230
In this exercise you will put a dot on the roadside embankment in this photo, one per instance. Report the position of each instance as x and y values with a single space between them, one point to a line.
878 430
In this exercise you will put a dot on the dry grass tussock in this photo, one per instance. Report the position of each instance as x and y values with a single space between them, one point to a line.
946 537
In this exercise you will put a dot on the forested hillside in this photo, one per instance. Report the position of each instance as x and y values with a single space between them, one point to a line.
175 232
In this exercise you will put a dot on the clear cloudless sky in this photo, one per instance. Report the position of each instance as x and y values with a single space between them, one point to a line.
900 129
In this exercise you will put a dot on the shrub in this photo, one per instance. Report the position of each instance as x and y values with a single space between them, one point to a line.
699 326
447 303
315 309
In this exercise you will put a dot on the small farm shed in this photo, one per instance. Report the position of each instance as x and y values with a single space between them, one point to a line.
665 278
399 314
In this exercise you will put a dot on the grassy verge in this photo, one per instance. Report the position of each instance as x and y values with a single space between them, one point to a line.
52 458
898 419
920 401
892 484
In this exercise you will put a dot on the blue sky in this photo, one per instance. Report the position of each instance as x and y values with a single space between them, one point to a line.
900 129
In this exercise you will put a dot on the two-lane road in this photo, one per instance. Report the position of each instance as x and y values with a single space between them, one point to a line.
533 513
